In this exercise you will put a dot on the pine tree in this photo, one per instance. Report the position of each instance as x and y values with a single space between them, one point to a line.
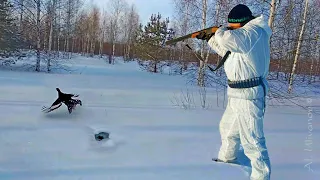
150 39
8 39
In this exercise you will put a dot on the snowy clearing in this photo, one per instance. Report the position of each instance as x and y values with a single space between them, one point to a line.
151 138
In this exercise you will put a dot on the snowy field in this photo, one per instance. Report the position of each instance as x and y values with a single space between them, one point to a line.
151 139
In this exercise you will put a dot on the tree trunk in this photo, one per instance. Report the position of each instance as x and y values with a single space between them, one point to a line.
92 48
84 45
21 15
68 48
185 26
313 44
73 45
59 30
65 45
101 44
45 38
58 41
317 68
88 46
51 33
128 51
298 47
38 36
113 52
202 65
272 13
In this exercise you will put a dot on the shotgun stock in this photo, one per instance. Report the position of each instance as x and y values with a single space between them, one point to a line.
209 30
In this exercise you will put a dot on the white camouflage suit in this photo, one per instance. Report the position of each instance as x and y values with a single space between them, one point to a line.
242 121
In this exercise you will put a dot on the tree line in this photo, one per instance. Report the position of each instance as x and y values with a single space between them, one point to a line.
54 26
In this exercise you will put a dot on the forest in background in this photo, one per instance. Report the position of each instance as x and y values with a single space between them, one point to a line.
58 28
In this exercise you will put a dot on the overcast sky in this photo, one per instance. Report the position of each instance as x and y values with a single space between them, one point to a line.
145 7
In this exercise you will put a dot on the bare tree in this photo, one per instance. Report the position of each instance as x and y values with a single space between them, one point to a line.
196 14
38 35
71 8
82 31
116 16
21 15
31 15
102 33
94 21
52 17
298 46
131 25
182 25
202 64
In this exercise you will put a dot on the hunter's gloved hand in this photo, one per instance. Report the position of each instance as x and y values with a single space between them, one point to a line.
204 36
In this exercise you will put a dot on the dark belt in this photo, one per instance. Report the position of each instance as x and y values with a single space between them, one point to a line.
249 83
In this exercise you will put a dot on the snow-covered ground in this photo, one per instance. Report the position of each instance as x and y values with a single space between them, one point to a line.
151 137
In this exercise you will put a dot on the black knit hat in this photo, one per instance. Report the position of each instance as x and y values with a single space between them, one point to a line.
240 14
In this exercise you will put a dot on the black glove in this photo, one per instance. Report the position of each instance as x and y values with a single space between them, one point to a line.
204 36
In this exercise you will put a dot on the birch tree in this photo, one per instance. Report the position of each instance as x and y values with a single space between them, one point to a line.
38 2
20 15
131 25
94 28
203 62
52 17
182 26
71 8
116 14
272 13
197 13
298 47
33 14
82 31
102 32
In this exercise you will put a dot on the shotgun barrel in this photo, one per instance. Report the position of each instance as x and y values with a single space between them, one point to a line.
209 30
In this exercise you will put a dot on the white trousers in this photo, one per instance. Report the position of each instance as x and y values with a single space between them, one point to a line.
242 122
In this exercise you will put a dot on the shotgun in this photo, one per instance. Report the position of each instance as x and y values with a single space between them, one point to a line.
209 30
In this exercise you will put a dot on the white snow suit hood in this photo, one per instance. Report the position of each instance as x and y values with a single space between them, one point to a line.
250 55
